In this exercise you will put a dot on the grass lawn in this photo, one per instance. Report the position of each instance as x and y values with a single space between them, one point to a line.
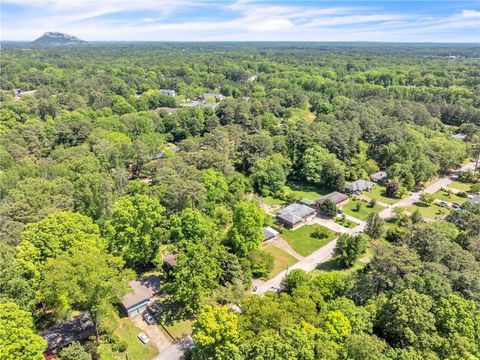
345 222
302 241
458 185
307 191
362 214
281 259
451 198
432 211
378 193
178 329
137 350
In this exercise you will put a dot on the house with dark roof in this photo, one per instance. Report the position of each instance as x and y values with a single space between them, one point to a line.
168 92
295 215
338 198
144 292
379 177
359 186
269 233
80 328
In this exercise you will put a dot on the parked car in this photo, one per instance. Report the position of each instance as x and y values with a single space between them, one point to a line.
443 204
144 338
357 192
456 206
149 319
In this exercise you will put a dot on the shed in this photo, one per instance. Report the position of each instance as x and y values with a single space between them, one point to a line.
269 233
168 92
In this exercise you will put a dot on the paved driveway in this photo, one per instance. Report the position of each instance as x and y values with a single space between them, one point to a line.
154 333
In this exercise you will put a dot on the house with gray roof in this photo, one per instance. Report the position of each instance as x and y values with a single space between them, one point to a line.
476 199
144 291
337 197
359 186
295 215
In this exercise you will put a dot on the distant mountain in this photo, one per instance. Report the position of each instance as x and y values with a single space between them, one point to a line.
58 39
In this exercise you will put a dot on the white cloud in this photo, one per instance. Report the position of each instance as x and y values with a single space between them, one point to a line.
252 21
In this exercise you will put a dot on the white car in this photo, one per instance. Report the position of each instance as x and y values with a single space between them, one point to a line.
144 338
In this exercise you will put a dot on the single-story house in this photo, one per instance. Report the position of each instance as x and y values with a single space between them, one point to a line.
359 185
168 92
269 233
476 199
144 291
337 197
295 215
379 177
63 334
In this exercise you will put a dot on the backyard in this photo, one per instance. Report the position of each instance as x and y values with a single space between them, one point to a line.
281 259
308 238
298 191
351 209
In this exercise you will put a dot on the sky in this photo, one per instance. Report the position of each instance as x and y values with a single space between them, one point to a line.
244 20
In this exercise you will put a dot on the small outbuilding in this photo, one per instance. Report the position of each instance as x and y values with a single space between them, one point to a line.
379 177
359 186
144 292
269 233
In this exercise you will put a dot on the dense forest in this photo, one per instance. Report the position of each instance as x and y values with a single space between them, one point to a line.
102 175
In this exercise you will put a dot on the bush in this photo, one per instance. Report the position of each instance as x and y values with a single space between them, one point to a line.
393 189
373 202
358 206
319 234
462 194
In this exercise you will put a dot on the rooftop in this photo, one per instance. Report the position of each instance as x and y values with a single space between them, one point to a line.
359 185
61 335
294 213
170 259
143 289
336 197
379 176
269 233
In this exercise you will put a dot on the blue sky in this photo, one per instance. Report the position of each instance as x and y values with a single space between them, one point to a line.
244 20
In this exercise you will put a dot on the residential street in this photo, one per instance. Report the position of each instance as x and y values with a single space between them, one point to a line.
323 254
